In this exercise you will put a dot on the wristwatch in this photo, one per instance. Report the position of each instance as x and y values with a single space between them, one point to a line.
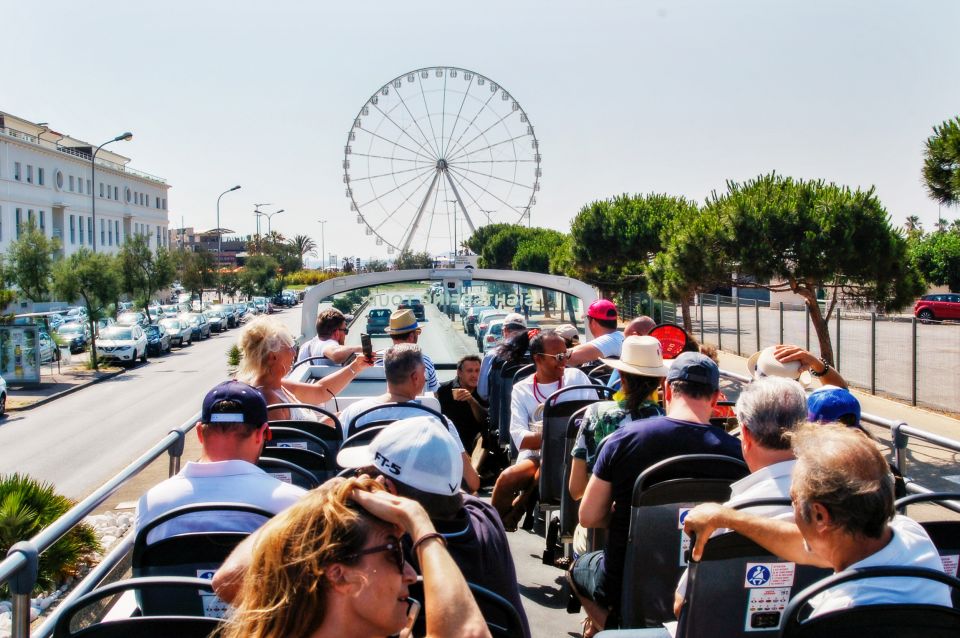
826 369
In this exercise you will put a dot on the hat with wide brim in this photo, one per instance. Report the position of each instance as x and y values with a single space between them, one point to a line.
642 356
402 322
765 364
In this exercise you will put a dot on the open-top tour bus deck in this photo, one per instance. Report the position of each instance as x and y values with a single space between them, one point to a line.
547 301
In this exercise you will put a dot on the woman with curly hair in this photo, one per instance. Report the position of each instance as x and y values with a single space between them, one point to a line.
268 351
332 565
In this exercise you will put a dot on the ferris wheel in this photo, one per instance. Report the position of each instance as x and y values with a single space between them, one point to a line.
436 153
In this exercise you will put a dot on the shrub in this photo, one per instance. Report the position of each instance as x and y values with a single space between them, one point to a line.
26 507
308 277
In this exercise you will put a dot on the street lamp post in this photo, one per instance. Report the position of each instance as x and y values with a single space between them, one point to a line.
93 182
323 243
269 217
219 232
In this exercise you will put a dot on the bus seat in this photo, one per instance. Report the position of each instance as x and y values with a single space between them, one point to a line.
194 554
146 626
322 430
510 375
719 601
429 406
317 463
945 534
288 472
875 621
656 546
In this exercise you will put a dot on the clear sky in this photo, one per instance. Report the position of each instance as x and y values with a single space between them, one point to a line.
666 96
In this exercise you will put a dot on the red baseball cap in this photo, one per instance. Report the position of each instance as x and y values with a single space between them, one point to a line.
602 309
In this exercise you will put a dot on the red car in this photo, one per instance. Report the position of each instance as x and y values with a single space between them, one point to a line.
939 306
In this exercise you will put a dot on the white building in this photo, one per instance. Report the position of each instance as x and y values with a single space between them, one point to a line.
45 177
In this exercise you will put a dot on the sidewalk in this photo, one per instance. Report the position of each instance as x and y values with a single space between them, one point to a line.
53 386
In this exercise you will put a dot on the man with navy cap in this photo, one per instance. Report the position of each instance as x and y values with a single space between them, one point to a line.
232 431
692 392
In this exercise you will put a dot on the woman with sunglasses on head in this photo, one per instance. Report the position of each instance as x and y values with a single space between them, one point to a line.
267 352
549 353
332 565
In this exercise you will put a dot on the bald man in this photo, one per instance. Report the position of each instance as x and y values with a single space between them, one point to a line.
641 326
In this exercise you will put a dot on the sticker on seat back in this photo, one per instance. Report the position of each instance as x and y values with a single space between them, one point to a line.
950 564
684 539
213 606
769 575
765 607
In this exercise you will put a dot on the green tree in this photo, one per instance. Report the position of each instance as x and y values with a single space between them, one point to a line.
259 275
303 245
94 278
229 282
938 258
30 260
377 265
913 224
144 271
693 260
941 163
27 506
482 235
615 240
409 260
199 271
786 234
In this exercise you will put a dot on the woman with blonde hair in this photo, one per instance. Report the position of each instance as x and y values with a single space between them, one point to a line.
332 565
268 352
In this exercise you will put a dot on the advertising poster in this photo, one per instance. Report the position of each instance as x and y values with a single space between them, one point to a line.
19 354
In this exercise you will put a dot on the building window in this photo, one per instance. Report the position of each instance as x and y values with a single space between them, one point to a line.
116 193
101 189
89 187
29 174
43 218
39 176
158 237
73 230
116 229
16 171
126 194
164 200
18 221
81 230
109 234
90 230
30 217
71 183
103 233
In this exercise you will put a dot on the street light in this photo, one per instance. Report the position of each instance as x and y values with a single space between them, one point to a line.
269 217
126 137
323 243
219 233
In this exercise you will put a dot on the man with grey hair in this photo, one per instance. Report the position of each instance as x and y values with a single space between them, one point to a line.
406 376
844 518
767 410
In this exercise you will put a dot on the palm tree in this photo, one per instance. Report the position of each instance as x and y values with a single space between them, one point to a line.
913 224
941 225
304 246
955 226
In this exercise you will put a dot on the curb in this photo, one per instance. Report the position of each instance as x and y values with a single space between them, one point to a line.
79 386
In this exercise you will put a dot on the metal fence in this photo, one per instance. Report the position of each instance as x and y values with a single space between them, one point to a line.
893 355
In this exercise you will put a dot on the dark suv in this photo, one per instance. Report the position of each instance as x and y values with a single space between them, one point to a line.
416 306
939 306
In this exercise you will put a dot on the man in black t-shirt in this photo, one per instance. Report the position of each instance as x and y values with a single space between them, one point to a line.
692 391
460 402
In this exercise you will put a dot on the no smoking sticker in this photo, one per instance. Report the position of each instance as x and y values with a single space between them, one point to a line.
769 575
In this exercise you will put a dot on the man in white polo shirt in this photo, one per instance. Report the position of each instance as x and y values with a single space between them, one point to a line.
232 430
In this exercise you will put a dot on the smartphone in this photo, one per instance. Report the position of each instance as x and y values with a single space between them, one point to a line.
367 345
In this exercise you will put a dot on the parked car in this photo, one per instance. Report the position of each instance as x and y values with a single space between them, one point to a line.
105 322
483 322
282 300
171 310
416 306
229 313
470 319
180 331
125 344
3 396
132 318
937 307
378 319
492 336
218 323
199 325
75 335
158 340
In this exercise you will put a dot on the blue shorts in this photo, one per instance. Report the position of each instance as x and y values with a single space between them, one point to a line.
589 577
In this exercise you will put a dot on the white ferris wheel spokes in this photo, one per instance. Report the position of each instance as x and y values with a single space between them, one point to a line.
436 153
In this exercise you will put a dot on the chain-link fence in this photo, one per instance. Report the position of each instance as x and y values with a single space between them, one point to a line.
894 355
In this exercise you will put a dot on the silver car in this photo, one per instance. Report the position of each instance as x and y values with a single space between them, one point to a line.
180 331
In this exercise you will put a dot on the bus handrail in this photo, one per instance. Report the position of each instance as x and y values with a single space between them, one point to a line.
24 555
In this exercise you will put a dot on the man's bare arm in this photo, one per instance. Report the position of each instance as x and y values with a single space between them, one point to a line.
583 353
339 354
597 503
779 537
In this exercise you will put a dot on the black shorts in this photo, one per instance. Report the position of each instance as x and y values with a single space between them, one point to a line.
589 578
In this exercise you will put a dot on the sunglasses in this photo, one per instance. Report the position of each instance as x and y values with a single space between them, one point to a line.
393 546
560 356
345 331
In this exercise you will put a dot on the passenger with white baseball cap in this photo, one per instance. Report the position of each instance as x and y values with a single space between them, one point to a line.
418 458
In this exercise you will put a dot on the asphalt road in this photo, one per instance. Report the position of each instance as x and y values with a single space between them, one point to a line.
79 441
